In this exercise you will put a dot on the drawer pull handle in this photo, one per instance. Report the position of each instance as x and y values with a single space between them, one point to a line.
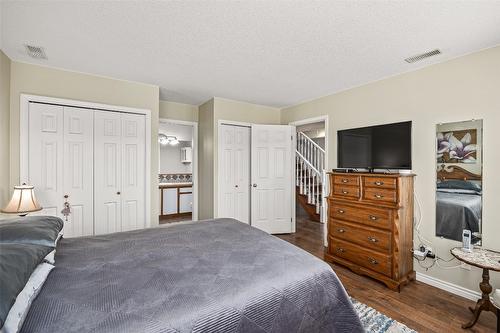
341 211
379 183
379 196
345 180
373 261
373 217
341 250
345 192
341 230
372 239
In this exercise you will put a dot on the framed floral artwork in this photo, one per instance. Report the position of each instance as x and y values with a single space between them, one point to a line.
458 146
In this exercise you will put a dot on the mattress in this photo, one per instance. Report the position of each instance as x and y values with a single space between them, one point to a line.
456 212
209 276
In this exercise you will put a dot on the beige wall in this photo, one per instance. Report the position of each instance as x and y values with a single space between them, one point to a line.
178 111
4 128
45 81
206 160
226 109
460 89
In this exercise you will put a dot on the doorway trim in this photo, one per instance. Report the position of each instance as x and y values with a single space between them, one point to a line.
24 104
194 143
324 119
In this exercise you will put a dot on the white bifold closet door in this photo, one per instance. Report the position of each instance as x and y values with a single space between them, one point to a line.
60 148
234 173
272 178
119 176
93 159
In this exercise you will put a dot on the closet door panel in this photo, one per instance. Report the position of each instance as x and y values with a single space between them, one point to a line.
45 162
107 172
226 205
272 195
234 172
77 171
242 174
133 171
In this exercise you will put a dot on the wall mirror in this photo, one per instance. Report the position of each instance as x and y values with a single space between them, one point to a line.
459 176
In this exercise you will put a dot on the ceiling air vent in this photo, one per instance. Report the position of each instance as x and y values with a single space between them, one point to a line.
36 52
422 56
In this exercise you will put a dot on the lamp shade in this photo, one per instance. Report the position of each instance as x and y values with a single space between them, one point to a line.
23 201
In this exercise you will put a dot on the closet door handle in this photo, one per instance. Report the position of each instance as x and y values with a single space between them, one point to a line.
254 185
236 186
118 192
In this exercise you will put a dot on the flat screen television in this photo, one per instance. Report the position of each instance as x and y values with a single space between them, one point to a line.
375 147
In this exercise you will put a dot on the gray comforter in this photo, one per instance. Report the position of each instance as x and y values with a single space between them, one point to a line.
456 212
209 276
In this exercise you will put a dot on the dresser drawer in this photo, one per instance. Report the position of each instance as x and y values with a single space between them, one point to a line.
346 191
346 180
379 240
375 217
361 256
380 195
380 182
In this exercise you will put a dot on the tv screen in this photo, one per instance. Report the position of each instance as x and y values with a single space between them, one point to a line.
375 147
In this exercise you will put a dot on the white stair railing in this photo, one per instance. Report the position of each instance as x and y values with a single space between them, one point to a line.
310 172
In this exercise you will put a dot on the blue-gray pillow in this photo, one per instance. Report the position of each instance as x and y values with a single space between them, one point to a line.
17 263
459 185
41 230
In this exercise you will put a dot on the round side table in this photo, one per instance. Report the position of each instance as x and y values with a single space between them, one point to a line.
487 260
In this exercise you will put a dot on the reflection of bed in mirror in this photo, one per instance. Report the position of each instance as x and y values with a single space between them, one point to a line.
458 203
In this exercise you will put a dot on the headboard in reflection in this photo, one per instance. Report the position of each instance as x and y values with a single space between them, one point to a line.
459 180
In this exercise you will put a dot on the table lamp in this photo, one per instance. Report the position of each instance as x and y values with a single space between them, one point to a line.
23 201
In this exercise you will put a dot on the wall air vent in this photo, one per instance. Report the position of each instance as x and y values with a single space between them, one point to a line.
422 56
36 52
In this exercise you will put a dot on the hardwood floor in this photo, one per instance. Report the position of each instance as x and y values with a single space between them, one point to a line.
419 306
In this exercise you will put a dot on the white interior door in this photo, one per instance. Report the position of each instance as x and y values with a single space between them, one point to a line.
107 172
78 175
45 156
234 172
133 171
272 179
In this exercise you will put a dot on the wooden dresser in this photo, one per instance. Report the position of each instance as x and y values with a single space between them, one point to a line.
370 225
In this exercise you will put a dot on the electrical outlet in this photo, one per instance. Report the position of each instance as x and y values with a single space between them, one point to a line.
465 266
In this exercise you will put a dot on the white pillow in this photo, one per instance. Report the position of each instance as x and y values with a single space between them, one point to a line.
51 257
18 311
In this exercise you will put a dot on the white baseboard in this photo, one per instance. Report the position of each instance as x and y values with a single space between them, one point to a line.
450 287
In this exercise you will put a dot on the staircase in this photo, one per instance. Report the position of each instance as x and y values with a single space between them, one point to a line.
310 177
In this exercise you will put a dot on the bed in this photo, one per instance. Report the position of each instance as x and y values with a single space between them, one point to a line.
209 276
456 211
458 203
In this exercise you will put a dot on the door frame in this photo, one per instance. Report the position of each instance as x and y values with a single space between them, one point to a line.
25 100
194 171
324 119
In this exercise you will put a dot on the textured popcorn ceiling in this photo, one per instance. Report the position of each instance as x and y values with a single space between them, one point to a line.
275 53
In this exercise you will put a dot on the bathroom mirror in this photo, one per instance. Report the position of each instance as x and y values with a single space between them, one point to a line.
459 181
